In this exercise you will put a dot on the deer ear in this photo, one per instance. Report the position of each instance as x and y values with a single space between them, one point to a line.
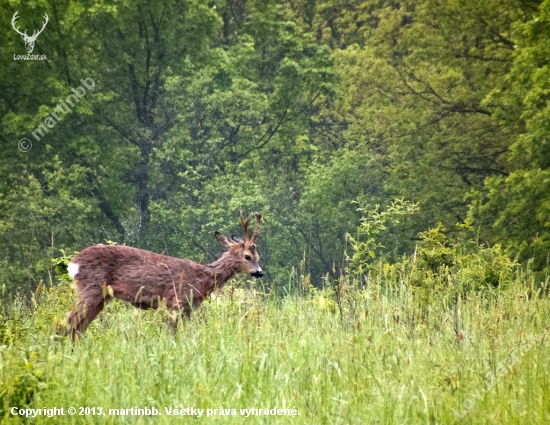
226 243
236 239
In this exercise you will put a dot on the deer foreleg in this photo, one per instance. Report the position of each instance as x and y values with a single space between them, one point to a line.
83 314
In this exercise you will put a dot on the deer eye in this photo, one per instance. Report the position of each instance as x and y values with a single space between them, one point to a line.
248 258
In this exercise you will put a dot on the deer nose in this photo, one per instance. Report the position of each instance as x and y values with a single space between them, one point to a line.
257 273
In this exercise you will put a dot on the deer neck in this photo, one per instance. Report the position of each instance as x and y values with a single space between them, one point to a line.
221 270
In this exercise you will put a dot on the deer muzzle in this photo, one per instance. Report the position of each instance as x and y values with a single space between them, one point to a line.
257 273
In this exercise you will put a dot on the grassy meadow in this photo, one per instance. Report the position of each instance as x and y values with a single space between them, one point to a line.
356 354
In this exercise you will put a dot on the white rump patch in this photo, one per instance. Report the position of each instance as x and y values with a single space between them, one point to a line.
73 269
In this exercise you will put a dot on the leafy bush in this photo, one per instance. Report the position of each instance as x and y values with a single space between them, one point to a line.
367 244
438 264
26 378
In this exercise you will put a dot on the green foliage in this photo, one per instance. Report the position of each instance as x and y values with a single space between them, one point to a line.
438 265
27 379
456 267
434 251
484 267
514 209
374 222
61 264
417 101
465 264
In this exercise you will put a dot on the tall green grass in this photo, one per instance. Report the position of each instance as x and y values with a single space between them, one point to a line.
356 354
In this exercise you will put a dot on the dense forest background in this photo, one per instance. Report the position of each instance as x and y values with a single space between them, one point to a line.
299 109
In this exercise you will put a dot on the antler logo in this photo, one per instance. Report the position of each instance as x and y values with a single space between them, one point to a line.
29 40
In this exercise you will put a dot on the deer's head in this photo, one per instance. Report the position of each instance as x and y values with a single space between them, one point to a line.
243 252
29 39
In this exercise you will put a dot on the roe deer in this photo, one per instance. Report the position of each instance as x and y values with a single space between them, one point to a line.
145 279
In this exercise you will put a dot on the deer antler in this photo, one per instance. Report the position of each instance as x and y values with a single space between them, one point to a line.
17 28
42 29
256 229
245 226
